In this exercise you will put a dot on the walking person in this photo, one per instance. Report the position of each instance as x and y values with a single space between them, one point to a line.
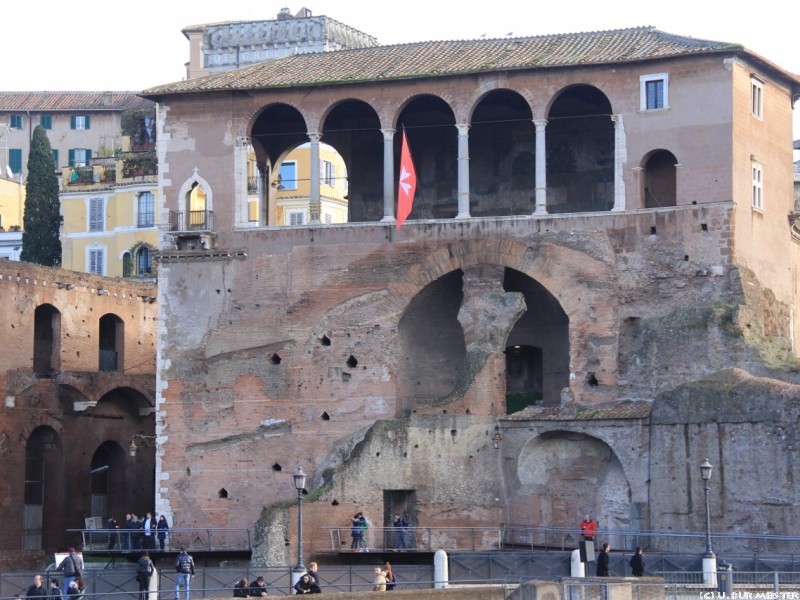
355 531
637 562
144 571
391 579
602 561
72 565
162 528
37 590
400 525
184 566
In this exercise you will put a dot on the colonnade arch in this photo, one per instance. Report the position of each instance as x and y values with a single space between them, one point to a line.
44 497
500 161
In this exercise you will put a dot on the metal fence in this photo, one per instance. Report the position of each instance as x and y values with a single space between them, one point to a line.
131 540
121 584
419 539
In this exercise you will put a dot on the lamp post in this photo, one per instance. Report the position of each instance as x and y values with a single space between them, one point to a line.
709 558
299 484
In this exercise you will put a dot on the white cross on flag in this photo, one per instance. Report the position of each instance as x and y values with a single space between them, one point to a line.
407 185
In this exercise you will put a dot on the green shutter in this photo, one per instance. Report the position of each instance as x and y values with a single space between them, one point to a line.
88 122
88 156
72 123
55 158
46 121
71 157
15 160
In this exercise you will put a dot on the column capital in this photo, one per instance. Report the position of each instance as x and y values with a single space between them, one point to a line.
463 128
540 124
388 133
616 119
314 136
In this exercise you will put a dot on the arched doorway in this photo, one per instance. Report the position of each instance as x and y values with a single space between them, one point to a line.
46 340
107 478
112 343
43 492
660 179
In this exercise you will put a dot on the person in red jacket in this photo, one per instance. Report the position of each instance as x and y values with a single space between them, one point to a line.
588 528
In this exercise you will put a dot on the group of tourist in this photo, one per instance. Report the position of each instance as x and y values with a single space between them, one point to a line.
138 533
307 584
589 531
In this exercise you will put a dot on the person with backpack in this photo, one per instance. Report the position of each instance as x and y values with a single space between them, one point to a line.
144 571
72 565
184 565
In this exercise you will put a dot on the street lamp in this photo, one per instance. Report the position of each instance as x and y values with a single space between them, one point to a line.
709 558
299 484
133 448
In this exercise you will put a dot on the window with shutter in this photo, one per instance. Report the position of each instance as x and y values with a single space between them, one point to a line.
96 214
96 261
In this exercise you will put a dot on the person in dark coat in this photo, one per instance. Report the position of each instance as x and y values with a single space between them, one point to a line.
602 561
37 590
241 589
161 531
144 571
637 562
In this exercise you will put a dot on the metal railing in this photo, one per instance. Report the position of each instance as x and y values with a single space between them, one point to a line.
417 539
191 220
567 538
121 541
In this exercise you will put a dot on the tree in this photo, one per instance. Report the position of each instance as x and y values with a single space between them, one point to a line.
40 240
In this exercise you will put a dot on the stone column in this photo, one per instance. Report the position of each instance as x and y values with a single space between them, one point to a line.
388 175
541 167
487 315
463 171
314 205
241 216
620 155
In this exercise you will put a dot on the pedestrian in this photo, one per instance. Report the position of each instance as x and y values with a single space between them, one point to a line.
76 589
37 590
127 526
149 525
144 571
588 528
258 587
380 580
240 590
602 561
391 579
55 590
316 588
162 528
637 562
364 525
400 525
184 566
355 531
304 584
72 565
112 527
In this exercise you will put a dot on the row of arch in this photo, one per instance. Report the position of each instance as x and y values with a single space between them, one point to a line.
500 162
47 342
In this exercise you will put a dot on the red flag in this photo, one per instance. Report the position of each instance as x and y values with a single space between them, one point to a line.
407 185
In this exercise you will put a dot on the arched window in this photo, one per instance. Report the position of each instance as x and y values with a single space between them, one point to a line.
144 261
127 265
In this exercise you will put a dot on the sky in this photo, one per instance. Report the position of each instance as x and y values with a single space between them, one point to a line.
137 45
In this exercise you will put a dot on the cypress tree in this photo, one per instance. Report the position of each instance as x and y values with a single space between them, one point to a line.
42 220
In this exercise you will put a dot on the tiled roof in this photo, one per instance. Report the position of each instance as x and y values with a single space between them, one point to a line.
433 59
71 101
625 409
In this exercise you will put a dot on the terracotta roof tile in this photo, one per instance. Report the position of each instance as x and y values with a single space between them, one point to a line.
71 101
436 58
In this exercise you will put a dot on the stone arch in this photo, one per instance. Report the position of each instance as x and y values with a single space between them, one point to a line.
501 129
429 123
44 496
659 182
564 475
580 151
111 341
46 340
108 493
125 401
196 202
353 128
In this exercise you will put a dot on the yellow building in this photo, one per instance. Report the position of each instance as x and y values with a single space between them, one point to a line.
109 211
291 187
12 203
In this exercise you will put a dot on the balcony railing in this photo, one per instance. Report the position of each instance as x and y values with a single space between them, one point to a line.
191 220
